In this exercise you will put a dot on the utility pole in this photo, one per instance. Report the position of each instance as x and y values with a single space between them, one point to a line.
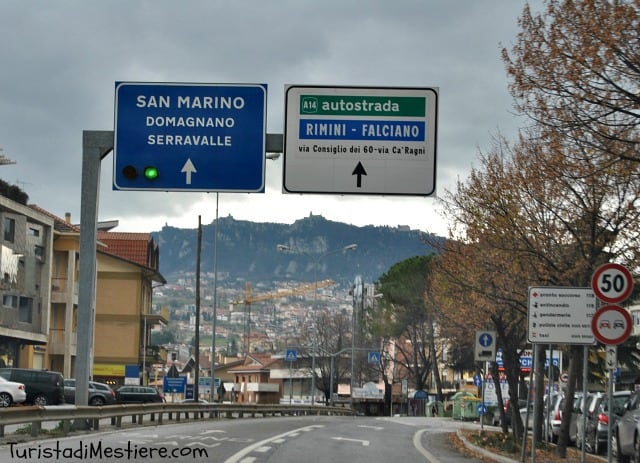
215 309
196 377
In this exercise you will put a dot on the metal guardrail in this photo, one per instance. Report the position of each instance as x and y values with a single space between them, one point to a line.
88 417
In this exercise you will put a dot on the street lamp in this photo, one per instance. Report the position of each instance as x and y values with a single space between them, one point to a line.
316 261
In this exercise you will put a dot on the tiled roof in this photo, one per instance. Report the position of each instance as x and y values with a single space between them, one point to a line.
256 363
130 246
60 225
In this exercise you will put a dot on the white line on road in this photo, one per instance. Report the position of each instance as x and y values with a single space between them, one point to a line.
247 450
364 443
417 443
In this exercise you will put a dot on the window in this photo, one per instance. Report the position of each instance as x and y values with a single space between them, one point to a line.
10 300
25 309
34 231
39 251
9 229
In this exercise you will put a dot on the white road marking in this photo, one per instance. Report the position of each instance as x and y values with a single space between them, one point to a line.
417 443
238 457
364 443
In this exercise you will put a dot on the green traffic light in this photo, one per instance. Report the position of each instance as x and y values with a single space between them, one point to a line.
151 173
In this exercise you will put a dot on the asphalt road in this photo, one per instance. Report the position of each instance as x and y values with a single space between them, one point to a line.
274 440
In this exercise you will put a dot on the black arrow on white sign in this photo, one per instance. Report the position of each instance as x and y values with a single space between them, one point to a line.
359 171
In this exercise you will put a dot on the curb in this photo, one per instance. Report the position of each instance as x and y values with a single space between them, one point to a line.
484 453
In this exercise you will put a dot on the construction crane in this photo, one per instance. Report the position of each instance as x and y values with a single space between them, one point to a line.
295 291
250 298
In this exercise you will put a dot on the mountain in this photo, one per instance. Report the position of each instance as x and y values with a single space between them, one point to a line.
248 251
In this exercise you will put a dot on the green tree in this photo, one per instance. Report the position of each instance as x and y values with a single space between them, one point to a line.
168 335
404 315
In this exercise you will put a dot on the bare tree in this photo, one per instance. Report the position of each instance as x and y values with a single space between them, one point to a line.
575 70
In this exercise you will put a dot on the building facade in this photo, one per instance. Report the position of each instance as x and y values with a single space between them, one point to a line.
25 275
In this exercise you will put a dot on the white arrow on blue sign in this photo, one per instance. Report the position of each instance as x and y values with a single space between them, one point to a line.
485 348
485 340
189 137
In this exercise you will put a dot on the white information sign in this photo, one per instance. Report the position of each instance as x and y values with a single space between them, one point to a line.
561 315
360 140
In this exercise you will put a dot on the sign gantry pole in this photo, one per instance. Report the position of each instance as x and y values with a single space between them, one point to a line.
95 146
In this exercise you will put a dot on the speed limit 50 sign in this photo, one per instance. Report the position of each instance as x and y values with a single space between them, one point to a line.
612 283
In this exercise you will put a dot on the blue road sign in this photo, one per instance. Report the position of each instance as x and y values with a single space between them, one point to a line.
482 409
189 137
477 380
485 339
177 385
291 355
374 358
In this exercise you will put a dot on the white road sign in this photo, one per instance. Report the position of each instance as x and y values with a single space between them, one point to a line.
561 315
360 140
612 283
485 348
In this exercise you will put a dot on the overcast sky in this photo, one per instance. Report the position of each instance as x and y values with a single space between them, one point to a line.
60 60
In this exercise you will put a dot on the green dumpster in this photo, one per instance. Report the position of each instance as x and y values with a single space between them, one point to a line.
465 406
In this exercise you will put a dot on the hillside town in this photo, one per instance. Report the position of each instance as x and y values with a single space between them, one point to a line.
155 320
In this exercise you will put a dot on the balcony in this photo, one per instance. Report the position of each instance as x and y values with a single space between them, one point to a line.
154 354
60 291
56 342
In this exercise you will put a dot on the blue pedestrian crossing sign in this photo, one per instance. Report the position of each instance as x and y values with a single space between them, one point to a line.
485 347
374 358
291 355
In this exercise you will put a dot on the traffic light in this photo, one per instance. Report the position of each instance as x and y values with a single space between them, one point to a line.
149 173
130 172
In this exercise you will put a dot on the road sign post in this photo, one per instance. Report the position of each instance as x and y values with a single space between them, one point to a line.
360 140
189 137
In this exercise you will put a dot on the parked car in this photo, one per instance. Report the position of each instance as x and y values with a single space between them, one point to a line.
138 394
597 414
99 393
43 387
11 393
554 421
627 428
527 419
552 416
508 412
